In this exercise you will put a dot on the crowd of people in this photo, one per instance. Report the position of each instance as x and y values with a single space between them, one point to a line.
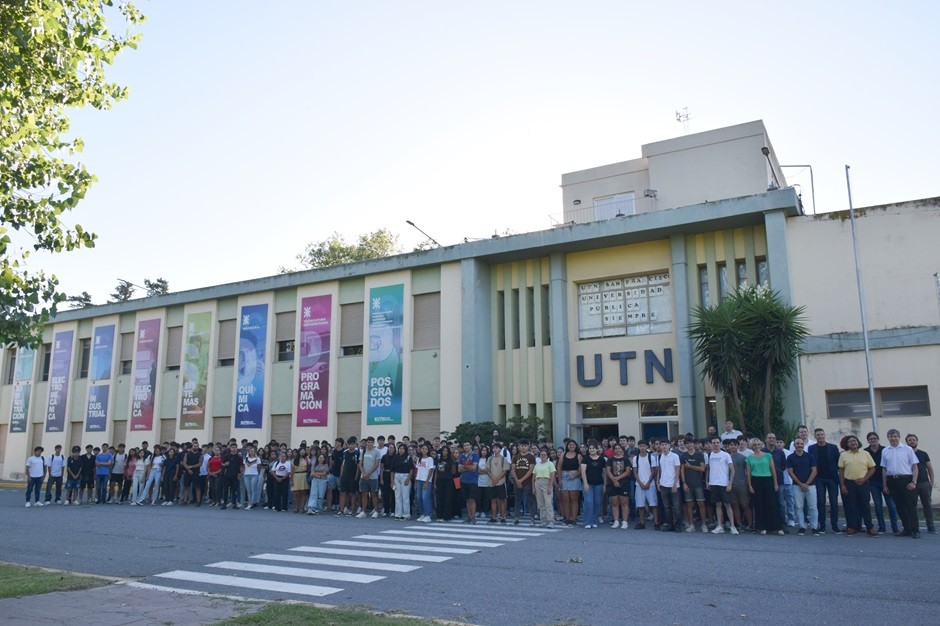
728 482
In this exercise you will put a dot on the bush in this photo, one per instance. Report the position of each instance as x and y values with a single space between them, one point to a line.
517 428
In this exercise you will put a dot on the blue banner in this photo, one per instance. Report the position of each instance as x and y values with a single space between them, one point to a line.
102 353
59 381
249 389
20 414
385 355
96 419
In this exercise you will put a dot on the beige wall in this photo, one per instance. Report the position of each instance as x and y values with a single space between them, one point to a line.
450 352
607 180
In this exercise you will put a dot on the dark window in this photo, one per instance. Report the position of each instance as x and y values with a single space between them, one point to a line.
285 350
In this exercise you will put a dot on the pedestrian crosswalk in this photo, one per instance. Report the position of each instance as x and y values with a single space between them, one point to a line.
370 557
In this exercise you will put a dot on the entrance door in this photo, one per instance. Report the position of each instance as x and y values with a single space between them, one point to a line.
600 431
659 430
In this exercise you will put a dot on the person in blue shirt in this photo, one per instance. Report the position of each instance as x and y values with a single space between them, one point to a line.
103 462
827 479
468 466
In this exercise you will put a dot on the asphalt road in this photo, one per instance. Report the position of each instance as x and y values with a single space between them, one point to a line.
502 576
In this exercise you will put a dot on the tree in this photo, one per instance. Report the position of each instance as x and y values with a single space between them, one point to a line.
748 347
158 287
335 251
80 301
123 292
516 429
53 55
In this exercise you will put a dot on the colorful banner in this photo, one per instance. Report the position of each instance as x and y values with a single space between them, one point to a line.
96 419
20 415
195 371
249 391
102 353
59 381
385 350
145 374
314 369
23 370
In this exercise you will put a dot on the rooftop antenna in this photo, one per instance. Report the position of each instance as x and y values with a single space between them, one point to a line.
683 116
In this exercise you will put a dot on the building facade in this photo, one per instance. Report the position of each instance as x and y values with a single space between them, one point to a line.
582 325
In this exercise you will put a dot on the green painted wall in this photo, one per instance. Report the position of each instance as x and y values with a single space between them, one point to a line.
349 393
169 395
426 280
426 379
282 389
222 390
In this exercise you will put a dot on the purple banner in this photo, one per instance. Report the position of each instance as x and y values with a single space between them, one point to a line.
145 374
96 419
102 353
314 368
59 381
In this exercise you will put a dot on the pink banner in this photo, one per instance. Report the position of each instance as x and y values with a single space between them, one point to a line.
145 374
314 368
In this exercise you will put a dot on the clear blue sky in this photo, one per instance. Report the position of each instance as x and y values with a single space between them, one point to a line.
254 128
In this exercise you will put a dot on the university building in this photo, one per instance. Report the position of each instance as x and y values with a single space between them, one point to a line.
583 324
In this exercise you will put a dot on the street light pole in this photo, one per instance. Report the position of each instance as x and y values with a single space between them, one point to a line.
412 224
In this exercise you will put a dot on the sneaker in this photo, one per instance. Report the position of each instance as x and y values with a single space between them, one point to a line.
375 515
348 512
666 528
719 530
801 532
587 527
502 521
851 532
872 532
625 526
689 528
515 521
616 524
361 515
39 504
28 505
704 528
640 527
837 530
492 520
734 531
816 533
58 501
66 503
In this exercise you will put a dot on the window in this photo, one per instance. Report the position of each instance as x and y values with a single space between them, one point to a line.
227 332
285 350
174 347
350 331
598 410
740 268
427 319
722 281
889 402
84 357
632 305
127 353
500 320
617 205
46 361
711 411
546 317
530 317
514 319
659 408
9 366
763 274
703 286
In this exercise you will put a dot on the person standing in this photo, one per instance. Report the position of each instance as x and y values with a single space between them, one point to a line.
154 477
55 465
467 466
719 477
644 469
669 487
445 474
36 471
424 483
117 476
279 471
763 486
692 474
73 481
523 466
827 480
730 431
569 471
925 482
103 462
88 475
881 497
740 494
191 463
139 478
802 469
856 467
544 487
251 476
498 468
370 468
900 472
594 479
401 473
231 473
171 474
618 471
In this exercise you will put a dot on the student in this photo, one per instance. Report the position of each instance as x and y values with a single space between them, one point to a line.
544 487
719 477
232 465
298 482
116 482
401 474
669 487
154 477
336 464
498 468
827 479
801 467
55 466
139 478
644 469
424 483
467 466
251 477
446 471
171 472
618 471
740 494
523 466
88 474
925 482
36 470
730 431
594 479
370 467
73 477
319 473
692 474
280 472
763 485
190 464
385 478
348 474
103 462
880 497
569 473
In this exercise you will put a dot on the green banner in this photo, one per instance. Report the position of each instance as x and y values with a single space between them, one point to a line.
195 369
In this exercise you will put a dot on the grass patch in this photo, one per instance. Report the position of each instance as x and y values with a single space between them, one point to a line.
17 581
296 614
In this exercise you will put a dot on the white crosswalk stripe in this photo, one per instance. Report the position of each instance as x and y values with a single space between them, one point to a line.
446 535
250 583
300 572
397 546
315 560
398 556
508 532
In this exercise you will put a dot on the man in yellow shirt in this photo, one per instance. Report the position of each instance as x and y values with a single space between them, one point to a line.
856 467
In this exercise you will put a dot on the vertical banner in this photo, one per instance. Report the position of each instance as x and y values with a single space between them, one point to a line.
23 371
195 371
145 374
96 418
314 369
18 419
102 353
385 350
59 381
252 340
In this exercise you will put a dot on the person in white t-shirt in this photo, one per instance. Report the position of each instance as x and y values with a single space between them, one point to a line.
154 477
669 486
55 465
645 467
36 470
730 431
720 476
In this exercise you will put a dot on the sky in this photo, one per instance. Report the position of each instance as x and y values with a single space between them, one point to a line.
253 129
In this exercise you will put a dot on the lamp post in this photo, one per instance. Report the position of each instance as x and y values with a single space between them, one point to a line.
412 224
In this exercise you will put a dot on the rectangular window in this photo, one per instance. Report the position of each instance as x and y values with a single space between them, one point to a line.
514 319
598 410
174 347
530 316
502 414
9 366
46 361
763 274
500 320
284 326
723 290
546 317
127 353
704 298
285 350
427 317
350 328
741 272
618 205
228 330
631 305
889 402
659 408
84 357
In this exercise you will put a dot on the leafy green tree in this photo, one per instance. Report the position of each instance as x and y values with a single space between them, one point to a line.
80 301
158 287
748 346
517 428
335 251
53 55
123 292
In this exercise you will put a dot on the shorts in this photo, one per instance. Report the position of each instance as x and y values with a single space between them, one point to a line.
368 485
720 494
117 479
694 493
347 485
191 479
570 484
646 496
73 483
88 481
332 482
496 493
740 495
622 491
470 491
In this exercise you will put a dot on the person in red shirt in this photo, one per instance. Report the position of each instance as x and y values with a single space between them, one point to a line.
215 472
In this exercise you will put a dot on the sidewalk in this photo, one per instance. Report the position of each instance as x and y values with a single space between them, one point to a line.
118 604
